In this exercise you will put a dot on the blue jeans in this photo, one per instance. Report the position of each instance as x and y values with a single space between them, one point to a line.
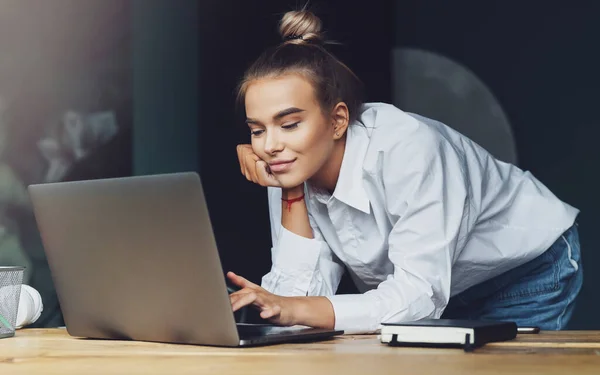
539 293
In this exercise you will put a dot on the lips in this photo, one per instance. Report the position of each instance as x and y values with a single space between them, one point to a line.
281 166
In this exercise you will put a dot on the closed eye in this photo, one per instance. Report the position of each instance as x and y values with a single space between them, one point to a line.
290 126
256 132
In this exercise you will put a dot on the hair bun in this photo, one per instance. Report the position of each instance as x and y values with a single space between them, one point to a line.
300 27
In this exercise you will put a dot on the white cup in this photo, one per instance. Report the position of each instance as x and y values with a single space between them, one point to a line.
30 307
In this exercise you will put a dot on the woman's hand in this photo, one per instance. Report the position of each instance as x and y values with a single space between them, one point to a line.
277 309
314 312
254 168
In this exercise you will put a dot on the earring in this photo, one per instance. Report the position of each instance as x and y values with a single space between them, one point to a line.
338 134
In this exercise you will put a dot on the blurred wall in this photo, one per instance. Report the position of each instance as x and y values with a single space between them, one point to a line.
165 84
65 113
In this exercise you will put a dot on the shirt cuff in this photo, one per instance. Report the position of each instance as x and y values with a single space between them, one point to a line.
364 313
295 263
353 313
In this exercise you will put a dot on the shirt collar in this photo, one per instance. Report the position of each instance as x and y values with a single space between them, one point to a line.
349 188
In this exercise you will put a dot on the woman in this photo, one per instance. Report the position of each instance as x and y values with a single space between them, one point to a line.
428 223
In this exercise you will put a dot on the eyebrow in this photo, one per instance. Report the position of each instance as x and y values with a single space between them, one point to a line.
279 115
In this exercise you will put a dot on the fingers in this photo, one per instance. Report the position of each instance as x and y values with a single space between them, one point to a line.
240 281
234 297
251 165
257 300
254 168
270 312
243 300
263 175
267 303
247 159
242 151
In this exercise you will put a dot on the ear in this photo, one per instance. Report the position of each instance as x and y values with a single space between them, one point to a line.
340 118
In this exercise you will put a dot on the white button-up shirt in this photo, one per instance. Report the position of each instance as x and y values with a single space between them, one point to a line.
419 214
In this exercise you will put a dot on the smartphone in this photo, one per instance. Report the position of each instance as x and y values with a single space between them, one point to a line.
528 329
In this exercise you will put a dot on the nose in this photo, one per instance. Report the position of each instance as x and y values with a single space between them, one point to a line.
272 143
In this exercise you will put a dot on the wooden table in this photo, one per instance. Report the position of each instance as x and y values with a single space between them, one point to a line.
52 351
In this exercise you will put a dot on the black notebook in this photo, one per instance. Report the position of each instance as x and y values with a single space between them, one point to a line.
467 334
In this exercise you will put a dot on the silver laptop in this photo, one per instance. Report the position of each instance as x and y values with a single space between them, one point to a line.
135 258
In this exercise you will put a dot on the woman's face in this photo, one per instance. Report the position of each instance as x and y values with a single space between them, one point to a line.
288 128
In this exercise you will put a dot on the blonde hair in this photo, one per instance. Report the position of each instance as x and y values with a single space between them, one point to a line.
300 27
303 52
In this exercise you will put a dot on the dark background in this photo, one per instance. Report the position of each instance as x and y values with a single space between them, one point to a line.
539 59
